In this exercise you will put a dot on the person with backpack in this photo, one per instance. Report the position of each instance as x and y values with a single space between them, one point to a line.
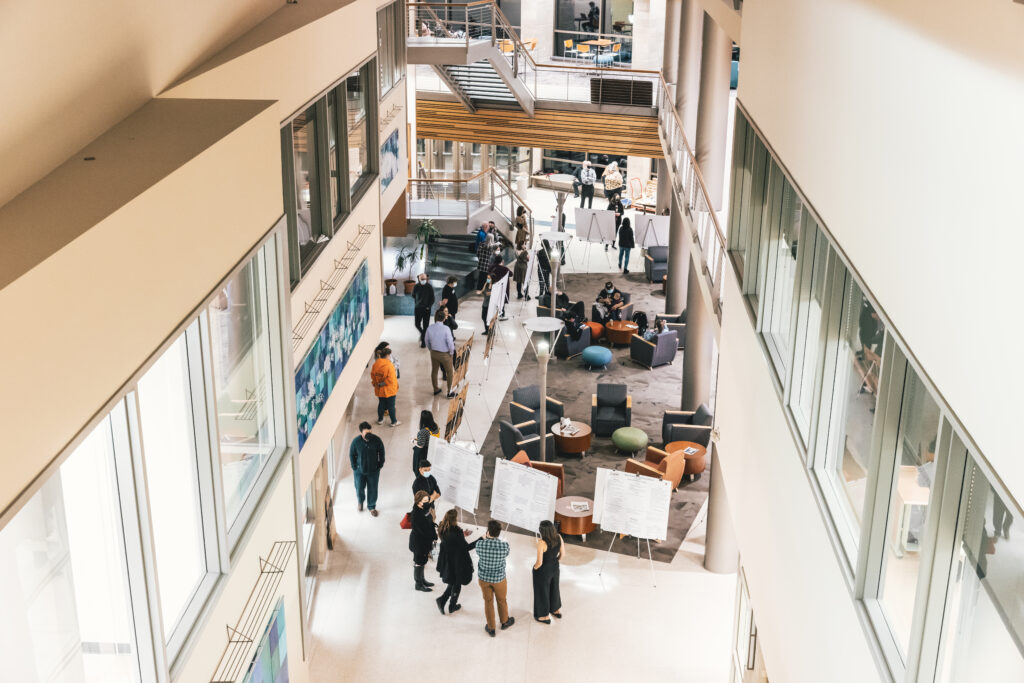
626 244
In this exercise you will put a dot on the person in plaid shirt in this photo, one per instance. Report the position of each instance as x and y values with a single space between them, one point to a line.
492 552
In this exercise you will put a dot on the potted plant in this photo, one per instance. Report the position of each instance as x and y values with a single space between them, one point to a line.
403 263
427 233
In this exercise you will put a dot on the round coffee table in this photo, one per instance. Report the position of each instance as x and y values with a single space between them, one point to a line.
695 459
620 331
573 522
573 443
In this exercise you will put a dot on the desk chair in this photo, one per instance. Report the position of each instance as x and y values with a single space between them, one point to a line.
568 50
584 53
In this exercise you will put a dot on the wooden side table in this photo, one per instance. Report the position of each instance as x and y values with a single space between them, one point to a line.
695 462
620 331
579 442
572 522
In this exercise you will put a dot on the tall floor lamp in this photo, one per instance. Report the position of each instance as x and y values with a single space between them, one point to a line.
543 335
555 238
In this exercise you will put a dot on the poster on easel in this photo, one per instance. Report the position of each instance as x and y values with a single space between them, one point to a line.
458 471
461 360
595 225
651 231
499 291
632 504
531 265
456 407
522 496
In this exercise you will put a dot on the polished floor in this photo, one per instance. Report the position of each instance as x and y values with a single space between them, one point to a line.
622 622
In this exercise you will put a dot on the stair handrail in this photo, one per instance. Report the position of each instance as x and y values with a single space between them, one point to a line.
491 174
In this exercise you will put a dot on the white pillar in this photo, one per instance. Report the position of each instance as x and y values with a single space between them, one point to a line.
678 260
670 54
691 26
713 109
664 198
700 344
721 552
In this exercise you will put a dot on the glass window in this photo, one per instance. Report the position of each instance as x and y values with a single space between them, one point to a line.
983 625
780 277
848 413
739 177
912 479
64 579
356 106
390 45
333 135
807 345
752 215
240 343
175 506
307 191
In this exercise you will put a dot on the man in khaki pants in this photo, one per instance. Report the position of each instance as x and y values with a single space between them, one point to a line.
441 344
492 552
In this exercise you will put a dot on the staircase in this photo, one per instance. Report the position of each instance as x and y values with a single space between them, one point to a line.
449 255
478 83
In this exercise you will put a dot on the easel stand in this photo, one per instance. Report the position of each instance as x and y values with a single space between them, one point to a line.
650 557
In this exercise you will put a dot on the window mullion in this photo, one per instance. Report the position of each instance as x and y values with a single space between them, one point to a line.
290 203
204 391
323 165
341 148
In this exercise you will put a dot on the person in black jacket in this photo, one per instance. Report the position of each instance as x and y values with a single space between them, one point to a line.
454 564
425 482
615 204
366 455
626 243
543 268
421 538
423 301
449 299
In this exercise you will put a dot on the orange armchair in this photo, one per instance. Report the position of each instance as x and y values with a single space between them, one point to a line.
555 469
657 463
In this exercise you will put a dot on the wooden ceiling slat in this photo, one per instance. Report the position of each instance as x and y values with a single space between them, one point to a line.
550 129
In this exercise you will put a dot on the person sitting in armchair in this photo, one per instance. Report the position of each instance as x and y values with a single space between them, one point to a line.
659 327
606 305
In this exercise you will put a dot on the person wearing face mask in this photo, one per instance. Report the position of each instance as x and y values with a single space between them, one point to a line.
587 177
605 301
425 481
423 300
366 456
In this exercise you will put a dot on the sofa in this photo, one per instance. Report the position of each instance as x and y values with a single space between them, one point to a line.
522 437
611 407
687 425
651 354
525 406
655 263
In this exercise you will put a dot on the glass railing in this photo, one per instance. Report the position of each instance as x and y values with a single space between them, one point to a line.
451 197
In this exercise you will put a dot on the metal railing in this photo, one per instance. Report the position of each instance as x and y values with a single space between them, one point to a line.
692 193
461 197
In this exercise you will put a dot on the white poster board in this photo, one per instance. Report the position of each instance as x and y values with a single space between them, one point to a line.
651 231
457 471
634 505
498 291
595 225
522 496
531 265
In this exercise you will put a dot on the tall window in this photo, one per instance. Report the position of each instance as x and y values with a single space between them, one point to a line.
240 343
391 45
784 223
307 187
167 420
810 306
357 97
67 613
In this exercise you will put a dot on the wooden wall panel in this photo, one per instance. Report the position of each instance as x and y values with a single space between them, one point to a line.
550 129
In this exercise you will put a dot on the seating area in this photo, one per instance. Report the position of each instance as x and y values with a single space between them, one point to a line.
687 425
611 408
660 465
655 263
522 437
525 407
651 354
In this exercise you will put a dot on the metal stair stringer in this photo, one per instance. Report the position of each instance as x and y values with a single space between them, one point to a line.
455 86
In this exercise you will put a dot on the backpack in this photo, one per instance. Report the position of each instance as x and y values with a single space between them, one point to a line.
640 318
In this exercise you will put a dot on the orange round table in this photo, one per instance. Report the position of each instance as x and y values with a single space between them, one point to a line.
620 331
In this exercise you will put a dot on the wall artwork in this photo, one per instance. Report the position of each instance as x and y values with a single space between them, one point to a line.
316 377
389 161
270 663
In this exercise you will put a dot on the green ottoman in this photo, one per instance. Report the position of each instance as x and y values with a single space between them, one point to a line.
629 439
597 357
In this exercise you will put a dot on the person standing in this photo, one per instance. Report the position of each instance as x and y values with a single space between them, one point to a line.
587 179
421 538
449 297
441 344
499 272
543 269
454 565
428 428
519 273
385 386
423 301
492 553
366 455
612 179
626 244
484 254
522 234
486 304
615 204
547 601
425 481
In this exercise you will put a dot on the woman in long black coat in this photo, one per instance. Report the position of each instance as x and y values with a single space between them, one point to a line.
421 538
454 564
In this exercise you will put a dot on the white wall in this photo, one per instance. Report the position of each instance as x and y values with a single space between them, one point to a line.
394 106
901 122
807 623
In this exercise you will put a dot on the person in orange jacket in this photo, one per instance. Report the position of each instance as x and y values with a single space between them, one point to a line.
385 386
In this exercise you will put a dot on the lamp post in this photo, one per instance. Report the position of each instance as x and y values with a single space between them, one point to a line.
547 331
555 238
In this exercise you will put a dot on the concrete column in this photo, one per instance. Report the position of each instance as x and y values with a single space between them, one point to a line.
700 345
670 55
664 199
721 552
688 69
678 259
713 109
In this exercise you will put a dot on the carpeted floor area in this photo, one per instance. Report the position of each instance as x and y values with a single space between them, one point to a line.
653 392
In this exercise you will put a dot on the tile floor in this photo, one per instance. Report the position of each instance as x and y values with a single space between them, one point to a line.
367 623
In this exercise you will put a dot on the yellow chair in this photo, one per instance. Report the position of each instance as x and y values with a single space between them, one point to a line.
616 52
568 50
584 52
507 47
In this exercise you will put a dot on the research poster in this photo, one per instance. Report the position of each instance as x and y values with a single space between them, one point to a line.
632 504
457 471
522 496
595 225
651 231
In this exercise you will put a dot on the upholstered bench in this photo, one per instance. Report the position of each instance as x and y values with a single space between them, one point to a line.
629 439
597 356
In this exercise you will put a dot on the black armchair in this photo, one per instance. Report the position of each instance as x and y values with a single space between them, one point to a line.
564 305
525 406
653 353
625 313
687 425
611 408
568 347
655 263
522 437
677 322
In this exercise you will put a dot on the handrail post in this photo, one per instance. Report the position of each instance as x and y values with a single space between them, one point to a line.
494 28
